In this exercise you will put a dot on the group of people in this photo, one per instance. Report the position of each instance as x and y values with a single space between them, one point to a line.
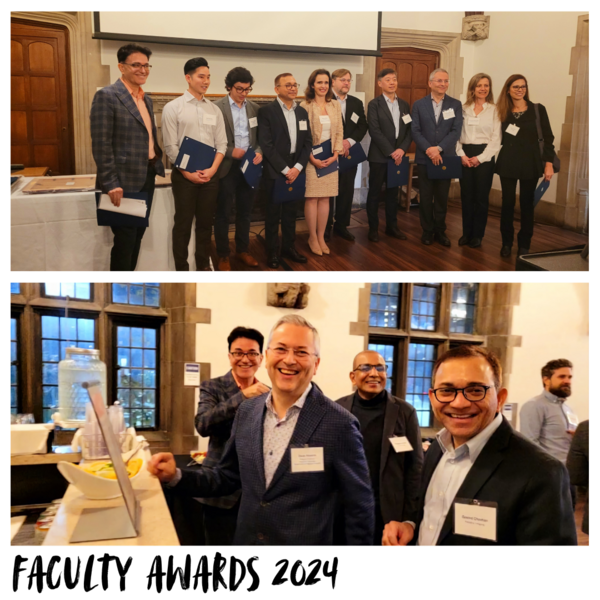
287 137
286 465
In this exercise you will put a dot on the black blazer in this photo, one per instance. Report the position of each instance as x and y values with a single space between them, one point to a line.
400 472
578 464
358 130
520 156
383 132
530 486
274 139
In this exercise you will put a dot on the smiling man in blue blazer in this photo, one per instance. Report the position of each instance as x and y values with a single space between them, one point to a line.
297 456
436 126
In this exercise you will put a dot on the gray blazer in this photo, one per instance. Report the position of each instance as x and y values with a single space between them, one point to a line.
251 111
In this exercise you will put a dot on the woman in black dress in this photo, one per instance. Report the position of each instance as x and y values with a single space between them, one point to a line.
520 159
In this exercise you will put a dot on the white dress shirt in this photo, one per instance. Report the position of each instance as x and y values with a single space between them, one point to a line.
395 110
447 478
186 116
343 105
290 119
241 132
484 128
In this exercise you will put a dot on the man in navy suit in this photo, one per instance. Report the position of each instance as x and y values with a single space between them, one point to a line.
219 401
285 138
124 146
296 455
483 483
436 127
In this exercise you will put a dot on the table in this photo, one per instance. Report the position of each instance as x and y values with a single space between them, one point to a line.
58 232
32 172
156 525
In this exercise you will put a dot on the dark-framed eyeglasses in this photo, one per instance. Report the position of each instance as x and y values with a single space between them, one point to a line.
138 66
369 368
472 393
290 86
518 88
252 355
241 90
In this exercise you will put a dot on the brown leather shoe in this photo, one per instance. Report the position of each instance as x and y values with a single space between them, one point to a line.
224 264
247 259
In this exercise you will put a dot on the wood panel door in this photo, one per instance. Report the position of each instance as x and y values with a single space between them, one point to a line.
41 116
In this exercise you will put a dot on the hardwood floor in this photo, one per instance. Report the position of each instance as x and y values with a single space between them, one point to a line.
390 254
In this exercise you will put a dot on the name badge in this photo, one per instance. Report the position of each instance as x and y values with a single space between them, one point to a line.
302 125
354 117
473 121
406 119
401 444
307 460
448 114
475 519
317 151
512 129
324 119
253 122
209 119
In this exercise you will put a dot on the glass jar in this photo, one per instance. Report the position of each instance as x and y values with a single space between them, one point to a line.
80 365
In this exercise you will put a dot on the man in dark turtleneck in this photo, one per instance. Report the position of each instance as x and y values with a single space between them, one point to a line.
392 441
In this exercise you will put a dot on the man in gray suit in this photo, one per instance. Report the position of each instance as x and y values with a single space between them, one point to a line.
241 125
124 146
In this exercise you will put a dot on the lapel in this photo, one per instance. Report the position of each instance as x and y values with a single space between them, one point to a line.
429 107
310 416
389 421
228 116
386 112
231 387
256 431
282 122
346 402
124 96
481 471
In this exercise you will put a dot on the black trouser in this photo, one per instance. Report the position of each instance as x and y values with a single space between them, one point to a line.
220 524
127 241
286 212
343 201
509 196
433 201
193 200
475 187
233 187
377 177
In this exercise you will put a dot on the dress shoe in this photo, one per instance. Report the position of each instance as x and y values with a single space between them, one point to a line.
474 243
427 238
224 264
315 248
522 251
247 259
273 260
343 233
324 247
395 233
505 251
373 235
293 255
464 241
442 238
327 234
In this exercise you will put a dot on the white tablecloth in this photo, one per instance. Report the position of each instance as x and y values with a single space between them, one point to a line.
58 232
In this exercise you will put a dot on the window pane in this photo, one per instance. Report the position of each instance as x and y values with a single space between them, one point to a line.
463 307
15 288
138 294
149 338
50 327
424 306
420 363
384 305
82 291
52 289
152 296
123 336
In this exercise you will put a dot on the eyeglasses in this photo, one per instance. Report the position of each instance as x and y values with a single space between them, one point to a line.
290 86
345 80
241 90
441 81
252 355
138 66
472 393
369 368
518 88
281 352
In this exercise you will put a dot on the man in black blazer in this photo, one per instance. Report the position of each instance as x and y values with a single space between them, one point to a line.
285 138
483 483
392 441
390 131
355 128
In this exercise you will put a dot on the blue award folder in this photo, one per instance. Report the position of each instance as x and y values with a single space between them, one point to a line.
288 192
540 191
114 219
194 156
356 155
397 175
251 171
325 153
451 168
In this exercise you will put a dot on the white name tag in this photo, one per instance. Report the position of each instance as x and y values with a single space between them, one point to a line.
407 119
209 119
317 151
512 129
184 161
253 122
401 444
324 119
473 121
354 117
245 166
302 125
475 521
305 460
448 114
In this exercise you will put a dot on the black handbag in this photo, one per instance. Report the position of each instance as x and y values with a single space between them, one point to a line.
555 160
